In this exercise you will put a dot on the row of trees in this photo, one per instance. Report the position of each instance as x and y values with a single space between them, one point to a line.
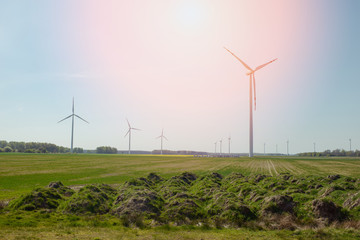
106 149
334 153
34 147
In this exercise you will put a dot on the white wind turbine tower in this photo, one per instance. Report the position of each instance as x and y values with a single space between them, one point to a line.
215 146
229 138
129 132
161 137
72 127
251 73
220 145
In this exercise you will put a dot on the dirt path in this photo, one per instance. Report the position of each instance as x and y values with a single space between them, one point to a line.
274 167
269 167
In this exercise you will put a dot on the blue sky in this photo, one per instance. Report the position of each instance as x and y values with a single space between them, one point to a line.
161 64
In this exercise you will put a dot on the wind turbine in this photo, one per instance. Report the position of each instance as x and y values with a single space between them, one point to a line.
215 146
251 73
287 147
162 136
129 132
220 145
264 148
72 127
229 138
350 143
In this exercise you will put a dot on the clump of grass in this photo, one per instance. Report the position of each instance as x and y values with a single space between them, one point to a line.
96 198
39 198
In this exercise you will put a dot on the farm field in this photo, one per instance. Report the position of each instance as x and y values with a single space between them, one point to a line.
179 233
20 173
187 204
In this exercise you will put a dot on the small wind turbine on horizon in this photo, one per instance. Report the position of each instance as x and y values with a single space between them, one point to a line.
220 145
264 148
229 138
215 146
129 132
161 137
251 73
287 147
72 126
350 143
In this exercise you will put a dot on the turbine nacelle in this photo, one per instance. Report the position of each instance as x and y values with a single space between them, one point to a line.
249 73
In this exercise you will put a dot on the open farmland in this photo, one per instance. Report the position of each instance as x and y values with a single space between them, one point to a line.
186 198
21 173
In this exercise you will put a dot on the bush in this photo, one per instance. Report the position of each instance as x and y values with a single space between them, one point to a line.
8 149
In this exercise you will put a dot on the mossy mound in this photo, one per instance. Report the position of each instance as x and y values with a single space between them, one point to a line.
39 198
96 198
278 204
328 210
176 184
207 185
61 189
182 208
137 201
43 198
228 208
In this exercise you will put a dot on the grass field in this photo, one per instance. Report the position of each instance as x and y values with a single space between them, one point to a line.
100 233
20 173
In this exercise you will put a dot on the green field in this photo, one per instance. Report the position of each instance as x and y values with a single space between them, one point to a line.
20 173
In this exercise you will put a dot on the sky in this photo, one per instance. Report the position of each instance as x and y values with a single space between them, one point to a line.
161 64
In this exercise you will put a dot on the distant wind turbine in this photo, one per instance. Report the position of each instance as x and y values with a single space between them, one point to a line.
215 146
229 138
72 127
251 73
220 145
350 143
264 148
161 137
287 147
129 132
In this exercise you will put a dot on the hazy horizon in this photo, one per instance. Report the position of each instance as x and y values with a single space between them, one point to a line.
161 64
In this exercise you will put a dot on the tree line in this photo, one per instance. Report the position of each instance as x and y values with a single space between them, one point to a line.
334 153
106 150
35 147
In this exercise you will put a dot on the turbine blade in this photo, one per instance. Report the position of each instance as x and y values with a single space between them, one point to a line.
254 91
127 132
73 109
136 129
81 118
243 63
64 119
166 138
128 123
261 66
